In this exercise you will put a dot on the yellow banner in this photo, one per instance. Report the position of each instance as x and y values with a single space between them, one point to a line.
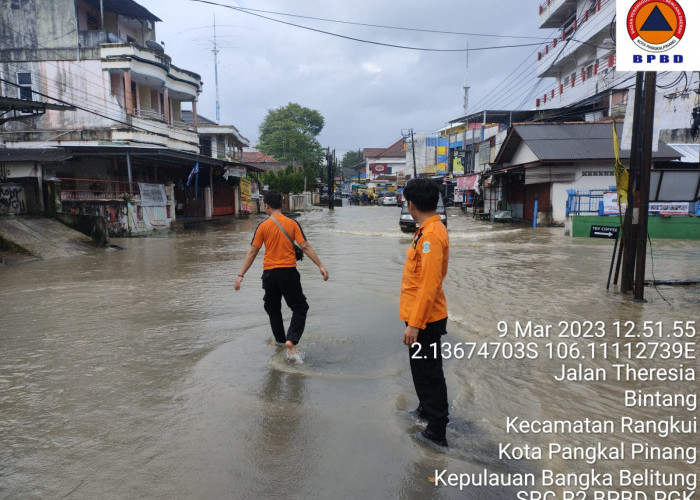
246 202
457 166
621 175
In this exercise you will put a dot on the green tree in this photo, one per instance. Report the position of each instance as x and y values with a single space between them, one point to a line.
351 158
288 180
289 133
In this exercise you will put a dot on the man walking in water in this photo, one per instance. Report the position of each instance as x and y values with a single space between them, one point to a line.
280 276
423 307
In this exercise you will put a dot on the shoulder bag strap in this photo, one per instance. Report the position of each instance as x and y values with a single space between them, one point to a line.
282 229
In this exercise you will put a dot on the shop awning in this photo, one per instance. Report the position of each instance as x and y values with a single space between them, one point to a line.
468 182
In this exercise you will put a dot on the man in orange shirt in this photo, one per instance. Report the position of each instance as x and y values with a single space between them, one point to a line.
424 309
280 276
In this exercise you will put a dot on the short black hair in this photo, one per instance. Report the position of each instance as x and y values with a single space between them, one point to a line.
273 199
423 193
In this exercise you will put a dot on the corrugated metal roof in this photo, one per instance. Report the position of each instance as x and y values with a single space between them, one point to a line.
690 153
577 141
32 154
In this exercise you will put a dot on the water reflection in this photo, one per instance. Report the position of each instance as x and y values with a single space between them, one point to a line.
139 373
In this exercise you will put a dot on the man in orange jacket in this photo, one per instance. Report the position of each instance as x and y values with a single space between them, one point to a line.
424 309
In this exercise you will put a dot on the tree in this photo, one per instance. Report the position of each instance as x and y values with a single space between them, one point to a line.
351 158
288 180
288 134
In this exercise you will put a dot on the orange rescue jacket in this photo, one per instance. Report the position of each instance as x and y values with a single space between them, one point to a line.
422 298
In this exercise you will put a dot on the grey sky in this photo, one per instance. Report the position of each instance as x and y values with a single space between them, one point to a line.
367 93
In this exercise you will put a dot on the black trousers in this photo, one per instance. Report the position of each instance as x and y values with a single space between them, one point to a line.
428 377
285 282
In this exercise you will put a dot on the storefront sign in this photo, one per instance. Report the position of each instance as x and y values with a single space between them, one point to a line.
669 208
153 195
246 201
234 172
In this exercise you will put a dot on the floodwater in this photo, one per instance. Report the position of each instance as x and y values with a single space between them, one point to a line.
140 373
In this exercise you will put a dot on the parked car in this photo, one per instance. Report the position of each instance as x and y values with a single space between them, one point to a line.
387 198
408 224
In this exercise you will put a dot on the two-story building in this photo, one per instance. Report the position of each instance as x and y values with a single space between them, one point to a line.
127 152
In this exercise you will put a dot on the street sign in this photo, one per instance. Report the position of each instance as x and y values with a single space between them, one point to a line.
609 232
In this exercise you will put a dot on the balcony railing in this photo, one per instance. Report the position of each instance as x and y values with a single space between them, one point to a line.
149 113
96 189
93 39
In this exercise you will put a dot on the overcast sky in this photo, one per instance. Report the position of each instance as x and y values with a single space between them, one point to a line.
367 93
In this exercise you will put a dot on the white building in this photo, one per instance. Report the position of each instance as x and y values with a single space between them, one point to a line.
579 64
126 151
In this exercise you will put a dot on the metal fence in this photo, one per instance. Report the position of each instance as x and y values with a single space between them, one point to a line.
584 202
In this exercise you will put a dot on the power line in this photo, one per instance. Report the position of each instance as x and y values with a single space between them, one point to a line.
402 28
396 46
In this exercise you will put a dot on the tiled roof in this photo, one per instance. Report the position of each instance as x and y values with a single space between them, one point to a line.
371 152
257 157
188 117
394 151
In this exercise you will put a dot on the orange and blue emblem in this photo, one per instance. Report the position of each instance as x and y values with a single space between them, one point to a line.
656 25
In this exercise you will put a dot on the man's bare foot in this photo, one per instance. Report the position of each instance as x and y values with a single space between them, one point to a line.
291 348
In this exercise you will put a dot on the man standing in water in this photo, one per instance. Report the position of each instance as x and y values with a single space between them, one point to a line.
423 307
280 276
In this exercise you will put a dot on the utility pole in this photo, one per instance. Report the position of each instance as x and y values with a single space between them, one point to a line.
330 160
629 231
635 225
413 150
645 180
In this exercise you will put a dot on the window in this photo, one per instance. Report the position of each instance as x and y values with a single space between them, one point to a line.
589 71
573 79
92 24
24 80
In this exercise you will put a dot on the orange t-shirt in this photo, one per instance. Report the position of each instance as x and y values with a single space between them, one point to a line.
422 298
279 251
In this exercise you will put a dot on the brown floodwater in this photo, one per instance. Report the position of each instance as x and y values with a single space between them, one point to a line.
140 373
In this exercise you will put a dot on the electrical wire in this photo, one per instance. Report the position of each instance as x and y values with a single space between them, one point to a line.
419 30
338 35
651 253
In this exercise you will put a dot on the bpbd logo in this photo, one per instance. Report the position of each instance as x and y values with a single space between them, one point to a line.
656 26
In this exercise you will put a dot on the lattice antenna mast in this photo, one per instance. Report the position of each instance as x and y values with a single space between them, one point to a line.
466 86
215 50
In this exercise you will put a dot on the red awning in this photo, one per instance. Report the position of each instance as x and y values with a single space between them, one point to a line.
468 182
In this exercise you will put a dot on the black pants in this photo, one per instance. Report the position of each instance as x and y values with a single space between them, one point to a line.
285 282
428 377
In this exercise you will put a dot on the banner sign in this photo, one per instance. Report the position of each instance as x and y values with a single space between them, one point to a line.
246 202
458 165
658 35
668 208
610 204
152 195
468 182
380 168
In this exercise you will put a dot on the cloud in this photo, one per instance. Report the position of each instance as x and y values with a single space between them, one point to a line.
366 92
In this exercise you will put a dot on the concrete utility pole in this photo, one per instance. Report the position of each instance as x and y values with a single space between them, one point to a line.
635 226
330 160
413 150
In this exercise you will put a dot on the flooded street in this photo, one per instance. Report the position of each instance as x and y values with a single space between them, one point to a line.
140 373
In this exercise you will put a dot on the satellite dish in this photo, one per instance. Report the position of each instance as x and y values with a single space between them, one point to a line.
155 46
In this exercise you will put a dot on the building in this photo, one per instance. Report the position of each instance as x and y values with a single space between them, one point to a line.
126 151
381 167
542 162
581 78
